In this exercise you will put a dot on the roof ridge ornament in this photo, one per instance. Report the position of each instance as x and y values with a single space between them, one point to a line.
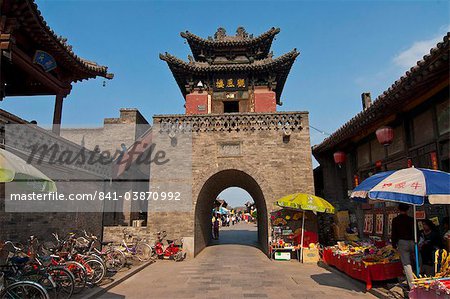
241 33
220 34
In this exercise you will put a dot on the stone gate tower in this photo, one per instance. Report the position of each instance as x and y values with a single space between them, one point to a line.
232 86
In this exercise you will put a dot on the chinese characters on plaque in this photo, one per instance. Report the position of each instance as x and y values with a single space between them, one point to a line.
230 83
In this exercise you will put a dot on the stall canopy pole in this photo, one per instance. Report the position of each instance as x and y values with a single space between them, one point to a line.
303 233
416 247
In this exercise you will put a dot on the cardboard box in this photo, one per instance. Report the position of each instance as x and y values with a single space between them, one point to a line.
283 256
310 255
342 218
339 231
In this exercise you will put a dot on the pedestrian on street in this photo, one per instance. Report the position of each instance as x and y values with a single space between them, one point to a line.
403 239
213 220
216 229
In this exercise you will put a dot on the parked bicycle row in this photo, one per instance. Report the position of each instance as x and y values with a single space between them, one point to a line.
67 266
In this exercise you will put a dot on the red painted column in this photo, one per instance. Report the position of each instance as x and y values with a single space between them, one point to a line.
265 100
197 103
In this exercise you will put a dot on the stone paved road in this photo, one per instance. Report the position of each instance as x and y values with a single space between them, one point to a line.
241 270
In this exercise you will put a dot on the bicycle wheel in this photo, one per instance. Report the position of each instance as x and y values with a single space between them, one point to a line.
143 252
115 260
79 273
65 282
24 290
95 270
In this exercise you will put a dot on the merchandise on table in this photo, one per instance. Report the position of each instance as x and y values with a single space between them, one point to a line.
366 252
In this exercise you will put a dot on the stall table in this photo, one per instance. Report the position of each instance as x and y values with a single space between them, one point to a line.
358 270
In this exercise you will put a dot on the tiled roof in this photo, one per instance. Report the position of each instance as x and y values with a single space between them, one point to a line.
257 65
28 13
231 41
223 44
437 61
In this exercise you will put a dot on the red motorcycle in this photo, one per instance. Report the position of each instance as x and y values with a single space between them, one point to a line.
173 250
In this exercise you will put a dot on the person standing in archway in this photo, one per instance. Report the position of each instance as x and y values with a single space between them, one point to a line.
213 220
216 225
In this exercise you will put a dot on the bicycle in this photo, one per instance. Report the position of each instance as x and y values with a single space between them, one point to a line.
142 251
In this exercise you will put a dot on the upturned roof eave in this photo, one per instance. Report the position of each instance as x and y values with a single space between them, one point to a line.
60 46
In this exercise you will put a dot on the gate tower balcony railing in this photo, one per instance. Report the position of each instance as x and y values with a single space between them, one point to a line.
232 122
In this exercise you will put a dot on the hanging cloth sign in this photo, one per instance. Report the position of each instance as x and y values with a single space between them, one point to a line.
368 223
45 60
379 224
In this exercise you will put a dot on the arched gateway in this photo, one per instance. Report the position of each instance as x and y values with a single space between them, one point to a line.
232 86
211 189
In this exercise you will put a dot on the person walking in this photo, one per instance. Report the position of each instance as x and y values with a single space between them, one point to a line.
403 239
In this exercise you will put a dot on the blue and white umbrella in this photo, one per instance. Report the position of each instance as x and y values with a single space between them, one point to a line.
411 185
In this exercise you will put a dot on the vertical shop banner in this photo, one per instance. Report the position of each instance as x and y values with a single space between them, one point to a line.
368 223
390 218
379 224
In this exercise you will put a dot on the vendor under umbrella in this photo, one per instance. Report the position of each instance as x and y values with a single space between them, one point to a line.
305 202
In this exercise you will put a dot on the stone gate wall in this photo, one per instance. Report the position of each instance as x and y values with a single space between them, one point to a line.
273 148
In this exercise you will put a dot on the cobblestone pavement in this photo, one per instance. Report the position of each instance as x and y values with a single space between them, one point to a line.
240 270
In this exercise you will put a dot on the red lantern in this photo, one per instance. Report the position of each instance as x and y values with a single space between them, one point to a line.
385 135
410 164
339 157
378 164
355 180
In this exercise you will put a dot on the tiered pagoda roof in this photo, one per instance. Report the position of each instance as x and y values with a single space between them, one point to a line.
240 54
259 46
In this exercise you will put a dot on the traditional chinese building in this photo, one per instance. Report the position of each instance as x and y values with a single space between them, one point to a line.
35 61
231 74
411 121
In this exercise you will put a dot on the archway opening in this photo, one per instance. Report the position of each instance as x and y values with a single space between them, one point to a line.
206 203
236 215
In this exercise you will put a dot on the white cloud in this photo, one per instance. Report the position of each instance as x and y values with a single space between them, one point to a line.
410 56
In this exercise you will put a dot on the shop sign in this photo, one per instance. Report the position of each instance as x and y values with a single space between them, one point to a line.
420 215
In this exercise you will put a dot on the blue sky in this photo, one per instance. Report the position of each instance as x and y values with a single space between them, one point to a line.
346 48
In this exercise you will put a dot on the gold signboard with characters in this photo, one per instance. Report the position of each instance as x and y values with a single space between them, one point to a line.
230 83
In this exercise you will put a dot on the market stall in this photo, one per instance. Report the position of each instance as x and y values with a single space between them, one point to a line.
286 235
291 233
364 261
437 286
